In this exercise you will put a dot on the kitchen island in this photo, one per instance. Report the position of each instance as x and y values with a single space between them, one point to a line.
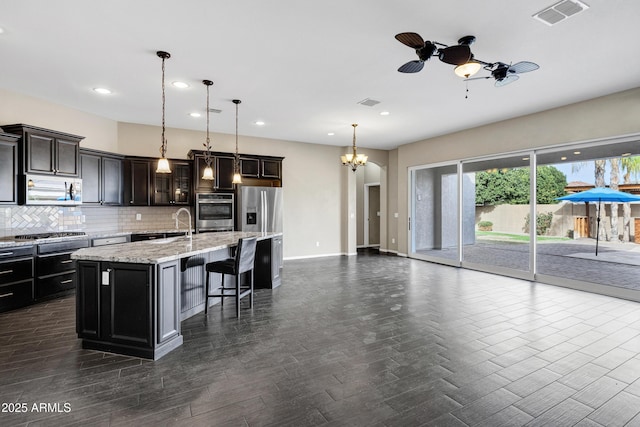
131 297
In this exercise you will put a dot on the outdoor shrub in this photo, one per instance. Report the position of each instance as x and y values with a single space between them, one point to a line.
543 223
485 226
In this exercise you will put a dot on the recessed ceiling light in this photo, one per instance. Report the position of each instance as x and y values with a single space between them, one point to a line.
102 90
181 85
384 113
260 123
563 158
576 152
195 114
331 133
525 158
625 154
1 30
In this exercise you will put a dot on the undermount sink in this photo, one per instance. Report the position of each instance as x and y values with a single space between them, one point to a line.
166 240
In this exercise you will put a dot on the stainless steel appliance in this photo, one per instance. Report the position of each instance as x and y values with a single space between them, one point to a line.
214 212
52 190
260 209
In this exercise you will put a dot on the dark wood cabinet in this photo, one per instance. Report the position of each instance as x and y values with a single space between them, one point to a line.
137 182
102 178
268 263
173 188
55 271
16 277
47 151
261 167
224 172
128 308
8 168
256 168
250 167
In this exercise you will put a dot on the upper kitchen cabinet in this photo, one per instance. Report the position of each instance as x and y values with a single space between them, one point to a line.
222 164
101 175
46 151
173 188
260 170
8 168
137 181
261 167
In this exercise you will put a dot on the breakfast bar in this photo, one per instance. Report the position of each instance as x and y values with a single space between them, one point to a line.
131 297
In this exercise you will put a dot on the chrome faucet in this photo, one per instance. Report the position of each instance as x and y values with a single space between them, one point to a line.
188 233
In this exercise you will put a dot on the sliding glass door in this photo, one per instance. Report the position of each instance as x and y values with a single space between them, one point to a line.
495 215
435 214
498 192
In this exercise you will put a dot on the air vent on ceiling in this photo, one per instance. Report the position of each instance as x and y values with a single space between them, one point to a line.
369 102
560 11
215 110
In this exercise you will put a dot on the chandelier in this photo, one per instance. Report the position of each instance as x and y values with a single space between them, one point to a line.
354 159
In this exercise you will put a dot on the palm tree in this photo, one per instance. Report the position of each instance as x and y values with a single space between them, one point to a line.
630 166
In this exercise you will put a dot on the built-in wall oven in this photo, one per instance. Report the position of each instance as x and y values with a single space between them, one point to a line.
214 212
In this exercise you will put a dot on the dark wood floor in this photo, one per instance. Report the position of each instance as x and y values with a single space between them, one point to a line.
361 341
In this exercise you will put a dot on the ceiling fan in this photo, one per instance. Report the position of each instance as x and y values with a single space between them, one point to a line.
460 55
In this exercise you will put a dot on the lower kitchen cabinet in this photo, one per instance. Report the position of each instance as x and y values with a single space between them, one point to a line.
129 308
55 270
268 263
16 277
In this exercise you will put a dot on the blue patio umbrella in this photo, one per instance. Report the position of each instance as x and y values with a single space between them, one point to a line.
600 195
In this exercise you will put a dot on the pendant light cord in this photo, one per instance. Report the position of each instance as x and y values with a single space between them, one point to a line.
163 147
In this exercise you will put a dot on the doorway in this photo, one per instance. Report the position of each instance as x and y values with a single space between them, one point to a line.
372 215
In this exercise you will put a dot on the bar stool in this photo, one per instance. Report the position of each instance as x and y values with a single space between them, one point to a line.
241 263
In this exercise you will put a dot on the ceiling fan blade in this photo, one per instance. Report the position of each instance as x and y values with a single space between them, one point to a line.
410 39
523 67
509 79
411 67
477 78
455 55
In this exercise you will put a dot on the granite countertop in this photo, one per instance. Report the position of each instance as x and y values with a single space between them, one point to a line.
10 241
164 250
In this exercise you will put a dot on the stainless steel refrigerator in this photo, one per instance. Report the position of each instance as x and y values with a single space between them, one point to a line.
259 209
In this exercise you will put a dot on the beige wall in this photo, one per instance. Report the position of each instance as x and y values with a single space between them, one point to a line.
609 116
99 133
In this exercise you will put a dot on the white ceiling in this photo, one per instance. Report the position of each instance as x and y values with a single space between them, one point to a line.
303 66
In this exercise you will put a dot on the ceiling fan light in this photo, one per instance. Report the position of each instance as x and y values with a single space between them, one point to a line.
468 69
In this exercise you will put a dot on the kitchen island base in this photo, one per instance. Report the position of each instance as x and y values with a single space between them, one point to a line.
135 308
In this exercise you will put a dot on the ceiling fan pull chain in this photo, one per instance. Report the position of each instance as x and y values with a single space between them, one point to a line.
466 95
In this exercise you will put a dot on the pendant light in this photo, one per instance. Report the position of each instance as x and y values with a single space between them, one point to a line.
236 165
163 163
208 170
354 159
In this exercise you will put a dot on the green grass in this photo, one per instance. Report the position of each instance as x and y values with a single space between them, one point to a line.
507 237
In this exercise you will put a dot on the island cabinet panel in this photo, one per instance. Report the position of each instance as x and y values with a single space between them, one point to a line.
128 308
130 316
88 300
168 301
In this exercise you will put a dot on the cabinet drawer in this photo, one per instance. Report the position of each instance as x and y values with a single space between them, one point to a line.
16 295
51 264
16 270
16 252
55 284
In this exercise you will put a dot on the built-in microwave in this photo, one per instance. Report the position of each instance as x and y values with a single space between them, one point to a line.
214 212
52 190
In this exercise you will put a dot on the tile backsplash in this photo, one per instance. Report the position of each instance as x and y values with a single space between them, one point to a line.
15 220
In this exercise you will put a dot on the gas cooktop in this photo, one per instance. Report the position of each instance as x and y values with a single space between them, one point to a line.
49 235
